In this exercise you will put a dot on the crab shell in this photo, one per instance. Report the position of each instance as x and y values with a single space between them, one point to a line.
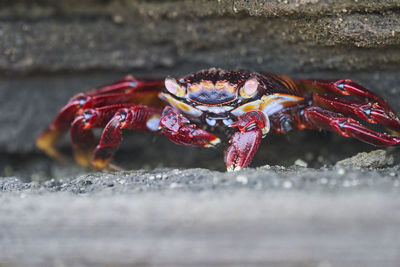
218 97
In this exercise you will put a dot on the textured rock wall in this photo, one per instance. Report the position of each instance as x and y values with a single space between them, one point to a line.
51 50
286 36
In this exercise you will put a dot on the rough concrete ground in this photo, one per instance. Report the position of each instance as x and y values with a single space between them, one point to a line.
344 215
175 228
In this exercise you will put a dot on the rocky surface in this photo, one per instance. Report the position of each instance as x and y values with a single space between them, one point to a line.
291 37
381 174
176 228
272 215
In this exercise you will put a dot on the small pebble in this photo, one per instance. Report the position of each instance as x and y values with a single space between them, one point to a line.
341 171
242 179
118 19
301 163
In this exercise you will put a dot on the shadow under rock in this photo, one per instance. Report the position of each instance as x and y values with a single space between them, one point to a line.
146 151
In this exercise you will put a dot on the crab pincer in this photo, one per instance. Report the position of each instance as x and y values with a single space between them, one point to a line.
252 126
180 131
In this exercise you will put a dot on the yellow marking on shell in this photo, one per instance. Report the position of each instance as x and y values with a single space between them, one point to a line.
195 87
185 108
225 86
271 104
207 85
254 105
243 93
267 127
181 92
230 88
220 85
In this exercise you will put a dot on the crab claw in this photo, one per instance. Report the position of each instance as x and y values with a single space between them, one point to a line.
179 130
244 146
252 126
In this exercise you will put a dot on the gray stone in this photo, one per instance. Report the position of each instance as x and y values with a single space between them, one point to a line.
175 228
289 38
375 159
271 215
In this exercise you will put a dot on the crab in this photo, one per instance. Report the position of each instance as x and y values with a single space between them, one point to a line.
244 105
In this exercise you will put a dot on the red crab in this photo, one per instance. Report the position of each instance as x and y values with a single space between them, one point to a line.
246 105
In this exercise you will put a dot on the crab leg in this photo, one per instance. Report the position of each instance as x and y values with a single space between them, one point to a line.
108 95
133 118
244 143
180 131
82 138
56 129
343 87
372 113
316 117
127 85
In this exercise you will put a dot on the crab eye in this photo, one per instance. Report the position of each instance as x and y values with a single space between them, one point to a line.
174 87
249 88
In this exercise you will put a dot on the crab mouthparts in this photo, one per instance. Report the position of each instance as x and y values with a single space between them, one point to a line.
212 97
